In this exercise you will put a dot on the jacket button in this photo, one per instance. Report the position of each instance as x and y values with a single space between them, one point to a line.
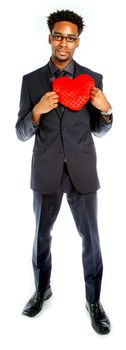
64 129
61 151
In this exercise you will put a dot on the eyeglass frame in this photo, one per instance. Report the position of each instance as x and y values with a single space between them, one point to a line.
64 37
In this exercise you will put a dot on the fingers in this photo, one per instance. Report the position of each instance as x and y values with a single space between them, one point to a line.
55 105
94 91
51 94
53 99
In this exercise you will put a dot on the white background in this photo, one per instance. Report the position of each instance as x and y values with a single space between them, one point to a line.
64 322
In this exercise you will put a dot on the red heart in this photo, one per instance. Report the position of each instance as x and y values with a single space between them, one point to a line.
74 93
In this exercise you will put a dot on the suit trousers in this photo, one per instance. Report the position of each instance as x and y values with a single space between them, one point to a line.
84 211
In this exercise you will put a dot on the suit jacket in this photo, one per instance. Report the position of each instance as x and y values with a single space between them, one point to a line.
60 136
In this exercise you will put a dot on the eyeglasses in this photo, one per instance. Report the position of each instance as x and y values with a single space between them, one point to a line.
69 38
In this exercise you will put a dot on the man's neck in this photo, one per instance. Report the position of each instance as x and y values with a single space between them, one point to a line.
60 65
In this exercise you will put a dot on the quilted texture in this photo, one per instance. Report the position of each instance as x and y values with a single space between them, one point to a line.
74 93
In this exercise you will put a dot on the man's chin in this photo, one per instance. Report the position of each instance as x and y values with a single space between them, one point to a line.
62 59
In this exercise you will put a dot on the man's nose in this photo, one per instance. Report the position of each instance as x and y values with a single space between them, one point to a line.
63 42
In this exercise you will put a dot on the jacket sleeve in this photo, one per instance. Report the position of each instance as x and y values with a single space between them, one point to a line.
99 126
25 128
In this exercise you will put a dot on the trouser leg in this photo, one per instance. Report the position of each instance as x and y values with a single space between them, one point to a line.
84 210
46 209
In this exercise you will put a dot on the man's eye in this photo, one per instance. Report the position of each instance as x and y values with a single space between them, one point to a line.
58 37
70 38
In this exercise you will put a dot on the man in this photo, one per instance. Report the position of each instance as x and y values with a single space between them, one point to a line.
64 161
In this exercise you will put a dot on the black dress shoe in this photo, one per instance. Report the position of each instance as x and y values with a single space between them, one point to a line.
35 304
99 320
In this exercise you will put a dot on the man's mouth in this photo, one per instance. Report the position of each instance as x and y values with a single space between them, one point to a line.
63 53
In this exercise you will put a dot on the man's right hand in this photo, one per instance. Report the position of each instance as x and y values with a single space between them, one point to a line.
48 102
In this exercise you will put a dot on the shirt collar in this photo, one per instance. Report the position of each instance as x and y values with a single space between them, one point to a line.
68 69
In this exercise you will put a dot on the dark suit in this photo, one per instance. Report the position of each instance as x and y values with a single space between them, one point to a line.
57 137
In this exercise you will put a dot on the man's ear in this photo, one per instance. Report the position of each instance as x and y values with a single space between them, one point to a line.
49 38
78 42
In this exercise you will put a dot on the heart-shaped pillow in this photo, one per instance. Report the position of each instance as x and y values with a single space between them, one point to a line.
74 93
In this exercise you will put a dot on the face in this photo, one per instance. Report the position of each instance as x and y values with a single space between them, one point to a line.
62 51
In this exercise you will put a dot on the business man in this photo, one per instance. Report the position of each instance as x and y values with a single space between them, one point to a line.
64 161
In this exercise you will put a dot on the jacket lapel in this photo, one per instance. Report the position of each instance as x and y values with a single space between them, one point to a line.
78 70
47 85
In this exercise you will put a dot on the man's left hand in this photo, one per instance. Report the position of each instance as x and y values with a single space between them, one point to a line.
99 100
